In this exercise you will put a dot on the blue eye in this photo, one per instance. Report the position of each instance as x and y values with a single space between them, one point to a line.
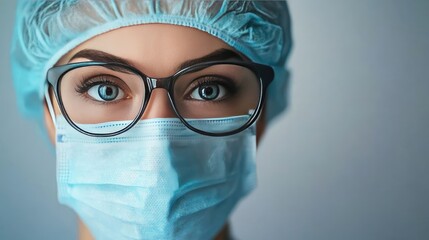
208 92
105 92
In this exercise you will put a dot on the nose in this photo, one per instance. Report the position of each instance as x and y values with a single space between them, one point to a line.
159 105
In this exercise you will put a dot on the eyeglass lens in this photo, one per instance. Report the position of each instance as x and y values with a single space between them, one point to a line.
101 94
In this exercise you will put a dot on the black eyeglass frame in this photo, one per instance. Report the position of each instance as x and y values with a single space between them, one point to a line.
264 73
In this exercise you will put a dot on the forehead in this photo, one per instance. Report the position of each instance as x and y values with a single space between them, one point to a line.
156 49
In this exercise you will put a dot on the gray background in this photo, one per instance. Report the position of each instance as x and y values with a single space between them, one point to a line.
349 160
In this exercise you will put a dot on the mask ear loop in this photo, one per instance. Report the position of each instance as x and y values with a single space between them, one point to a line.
49 103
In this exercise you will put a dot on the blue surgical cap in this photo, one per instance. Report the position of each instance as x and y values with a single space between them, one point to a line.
46 30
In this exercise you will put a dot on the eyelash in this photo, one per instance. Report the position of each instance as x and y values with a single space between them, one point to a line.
86 84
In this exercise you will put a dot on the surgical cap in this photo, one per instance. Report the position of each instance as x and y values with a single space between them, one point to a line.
45 30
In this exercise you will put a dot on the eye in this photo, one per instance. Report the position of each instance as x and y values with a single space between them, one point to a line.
208 91
105 92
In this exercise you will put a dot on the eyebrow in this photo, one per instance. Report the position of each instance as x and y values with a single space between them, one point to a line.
100 56
218 55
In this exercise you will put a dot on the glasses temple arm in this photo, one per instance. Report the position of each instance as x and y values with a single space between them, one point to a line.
49 103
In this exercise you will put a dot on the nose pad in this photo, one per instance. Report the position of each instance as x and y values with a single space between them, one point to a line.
159 105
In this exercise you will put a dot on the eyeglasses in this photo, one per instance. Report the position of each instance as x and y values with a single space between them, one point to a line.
90 93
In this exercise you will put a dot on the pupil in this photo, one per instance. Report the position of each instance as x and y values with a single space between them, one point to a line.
107 93
209 92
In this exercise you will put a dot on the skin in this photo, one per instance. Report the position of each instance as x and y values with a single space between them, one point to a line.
157 50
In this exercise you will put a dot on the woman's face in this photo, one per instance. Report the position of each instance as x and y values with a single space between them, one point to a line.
157 50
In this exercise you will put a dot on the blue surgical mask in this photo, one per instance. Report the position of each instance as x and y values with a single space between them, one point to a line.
159 180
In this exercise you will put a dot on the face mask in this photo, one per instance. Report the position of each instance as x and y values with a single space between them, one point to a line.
159 180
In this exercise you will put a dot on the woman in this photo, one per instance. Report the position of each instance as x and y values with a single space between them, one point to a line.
154 106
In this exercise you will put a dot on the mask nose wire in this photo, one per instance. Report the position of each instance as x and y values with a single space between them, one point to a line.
49 103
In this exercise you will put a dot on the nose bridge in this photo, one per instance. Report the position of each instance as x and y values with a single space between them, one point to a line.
159 105
160 82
